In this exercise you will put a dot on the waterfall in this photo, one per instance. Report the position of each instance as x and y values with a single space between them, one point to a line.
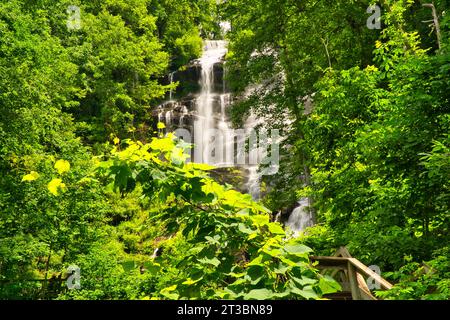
255 156
169 118
171 77
254 182
278 217
160 117
225 26
301 218
224 102
204 125
213 138
155 254
184 112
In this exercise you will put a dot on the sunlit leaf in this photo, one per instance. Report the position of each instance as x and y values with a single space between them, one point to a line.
276 228
62 166
128 266
307 292
328 285
200 166
55 185
33 175
259 294
297 249
212 261
190 282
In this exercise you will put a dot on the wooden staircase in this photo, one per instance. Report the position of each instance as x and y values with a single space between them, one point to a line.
351 274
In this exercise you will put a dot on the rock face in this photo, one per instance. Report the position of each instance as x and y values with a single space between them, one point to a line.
179 109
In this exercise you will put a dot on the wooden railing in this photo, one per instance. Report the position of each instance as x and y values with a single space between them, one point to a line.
352 275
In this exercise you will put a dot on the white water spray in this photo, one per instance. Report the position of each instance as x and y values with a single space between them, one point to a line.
301 218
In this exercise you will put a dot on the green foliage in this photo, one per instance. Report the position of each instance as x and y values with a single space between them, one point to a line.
372 152
61 92
368 170
105 276
426 281
234 251
368 115
38 230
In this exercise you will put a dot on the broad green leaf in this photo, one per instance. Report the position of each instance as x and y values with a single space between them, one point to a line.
256 273
214 240
152 267
164 145
307 292
213 261
260 219
252 236
296 249
199 166
287 261
304 281
276 228
238 283
190 282
128 266
257 261
272 252
281 295
281 269
169 294
170 289
259 294
244 229
237 275
178 156
328 285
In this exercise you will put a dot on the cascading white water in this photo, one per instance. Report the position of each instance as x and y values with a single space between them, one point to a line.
254 176
254 182
184 112
225 26
214 141
169 118
301 218
214 52
155 254
224 102
225 129
160 117
171 77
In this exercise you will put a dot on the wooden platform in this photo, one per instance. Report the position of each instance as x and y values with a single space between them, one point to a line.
352 275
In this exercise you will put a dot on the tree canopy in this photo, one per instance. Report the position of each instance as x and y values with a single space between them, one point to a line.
87 181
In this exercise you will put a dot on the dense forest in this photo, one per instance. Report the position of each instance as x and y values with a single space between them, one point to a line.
95 182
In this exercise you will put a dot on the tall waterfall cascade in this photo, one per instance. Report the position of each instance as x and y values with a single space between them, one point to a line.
205 117
210 126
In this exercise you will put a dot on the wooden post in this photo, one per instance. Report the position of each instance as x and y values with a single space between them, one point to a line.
356 295
369 273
